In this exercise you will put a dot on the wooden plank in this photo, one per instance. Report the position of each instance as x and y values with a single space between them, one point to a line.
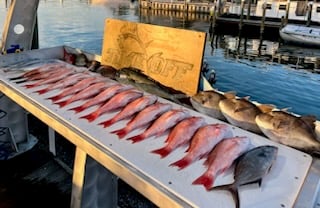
169 55
78 178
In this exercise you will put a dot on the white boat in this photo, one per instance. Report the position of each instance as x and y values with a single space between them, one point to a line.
302 35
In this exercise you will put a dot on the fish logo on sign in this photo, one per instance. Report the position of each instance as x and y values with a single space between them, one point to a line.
159 52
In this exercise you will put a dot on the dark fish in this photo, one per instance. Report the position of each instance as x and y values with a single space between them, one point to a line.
251 167
138 79
285 128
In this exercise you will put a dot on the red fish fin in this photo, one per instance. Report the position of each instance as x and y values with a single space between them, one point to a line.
62 103
107 123
205 180
137 138
121 133
30 85
163 152
42 91
55 98
90 117
77 109
184 162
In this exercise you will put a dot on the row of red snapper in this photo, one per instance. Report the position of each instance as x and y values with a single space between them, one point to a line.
214 142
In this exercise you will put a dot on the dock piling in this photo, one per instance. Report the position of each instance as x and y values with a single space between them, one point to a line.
309 14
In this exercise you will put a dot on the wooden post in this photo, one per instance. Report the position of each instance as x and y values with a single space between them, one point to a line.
241 15
309 14
287 12
78 178
264 7
249 9
212 20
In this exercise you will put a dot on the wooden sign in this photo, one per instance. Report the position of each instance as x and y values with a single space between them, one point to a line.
170 56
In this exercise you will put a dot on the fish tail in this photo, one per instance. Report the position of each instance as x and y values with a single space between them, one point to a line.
42 91
91 117
107 123
204 180
77 109
232 189
137 138
121 132
163 152
184 162
55 98
62 103
30 86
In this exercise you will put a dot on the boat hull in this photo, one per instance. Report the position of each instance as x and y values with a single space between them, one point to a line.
301 35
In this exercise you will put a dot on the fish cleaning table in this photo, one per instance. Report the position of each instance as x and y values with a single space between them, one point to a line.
165 186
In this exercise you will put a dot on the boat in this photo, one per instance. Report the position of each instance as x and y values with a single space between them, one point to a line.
301 35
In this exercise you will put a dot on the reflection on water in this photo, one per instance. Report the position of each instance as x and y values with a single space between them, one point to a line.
264 50
263 70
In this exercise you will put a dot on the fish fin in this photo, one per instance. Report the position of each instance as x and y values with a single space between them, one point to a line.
90 117
230 94
137 138
204 180
42 91
120 132
55 98
184 162
62 103
232 189
242 109
163 152
246 98
309 120
30 86
77 109
285 109
266 107
106 123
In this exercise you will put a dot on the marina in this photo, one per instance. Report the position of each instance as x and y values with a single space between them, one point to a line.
268 71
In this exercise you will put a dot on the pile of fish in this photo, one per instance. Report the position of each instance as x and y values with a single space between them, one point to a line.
212 142
278 125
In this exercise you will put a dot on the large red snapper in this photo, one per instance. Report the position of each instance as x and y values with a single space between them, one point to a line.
221 158
68 81
102 96
85 93
161 124
116 102
204 140
80 86
181 135
132 108
143 118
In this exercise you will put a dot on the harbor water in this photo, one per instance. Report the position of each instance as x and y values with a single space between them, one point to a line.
257 72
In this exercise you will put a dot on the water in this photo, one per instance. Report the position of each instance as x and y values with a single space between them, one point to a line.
80 24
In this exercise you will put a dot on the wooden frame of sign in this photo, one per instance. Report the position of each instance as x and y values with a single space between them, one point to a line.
170 56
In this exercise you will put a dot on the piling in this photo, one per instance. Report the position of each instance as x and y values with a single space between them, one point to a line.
309 14
241 15
287 12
